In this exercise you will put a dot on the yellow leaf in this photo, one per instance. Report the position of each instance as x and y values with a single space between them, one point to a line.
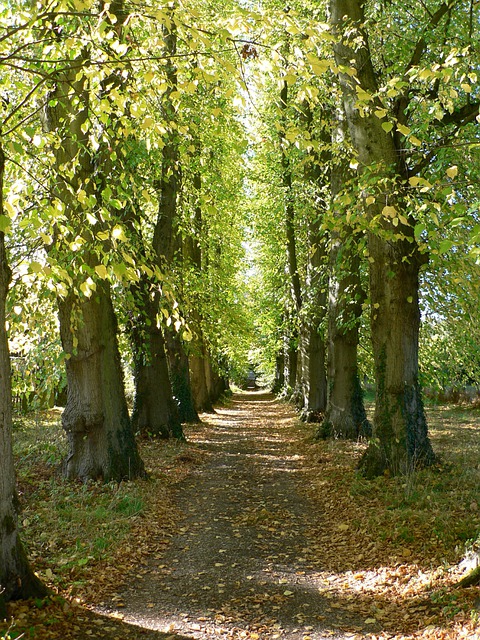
101 271
118 233
343 527
414 140
389 212
381 113
452 172
370 200
148 122
363 95
387 126
35 267
403 129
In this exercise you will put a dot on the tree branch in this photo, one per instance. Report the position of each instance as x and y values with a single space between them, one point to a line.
462 116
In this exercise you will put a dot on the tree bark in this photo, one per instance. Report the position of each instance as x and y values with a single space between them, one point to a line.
345 416
279 381
292 355
200 390
400 440
17 579
155 411
312 344
180 378
95 418
314 299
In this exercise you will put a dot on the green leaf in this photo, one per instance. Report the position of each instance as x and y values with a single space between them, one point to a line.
5 223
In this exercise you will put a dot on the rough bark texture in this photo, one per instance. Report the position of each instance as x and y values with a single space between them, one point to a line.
95 419
200 390
345 416
155 411
291 363
180 378
165 240
400 441
312 343
314 299
279 381
292 356
17 580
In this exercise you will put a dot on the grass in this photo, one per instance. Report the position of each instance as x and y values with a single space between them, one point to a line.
80 536
69 527
425 522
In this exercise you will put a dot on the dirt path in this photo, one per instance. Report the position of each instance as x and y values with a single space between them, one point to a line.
242 564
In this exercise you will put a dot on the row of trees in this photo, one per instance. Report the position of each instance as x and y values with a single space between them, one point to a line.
372 136
127 197
117 181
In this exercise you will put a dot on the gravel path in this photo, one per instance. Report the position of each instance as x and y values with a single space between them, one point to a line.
242 564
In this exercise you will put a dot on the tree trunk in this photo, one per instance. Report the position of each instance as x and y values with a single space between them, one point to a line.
345 416
17 580
155 411
95 419
165 241
292 355
200 390
312 343
400 441
314 299
279 381
180 378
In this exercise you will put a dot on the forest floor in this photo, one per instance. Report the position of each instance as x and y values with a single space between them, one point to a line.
254 530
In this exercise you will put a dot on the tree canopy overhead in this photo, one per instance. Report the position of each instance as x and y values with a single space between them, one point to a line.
205 188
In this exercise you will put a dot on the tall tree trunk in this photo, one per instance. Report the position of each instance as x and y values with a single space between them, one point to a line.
345 416
312 346
165 241
400 439
180 377
200 364
17 580
95 418
314 299
292 356
279 381
199 360
155 411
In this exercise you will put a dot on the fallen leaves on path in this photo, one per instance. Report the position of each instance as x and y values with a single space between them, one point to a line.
252 530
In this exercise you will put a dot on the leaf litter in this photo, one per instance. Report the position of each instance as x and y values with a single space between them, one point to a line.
252 530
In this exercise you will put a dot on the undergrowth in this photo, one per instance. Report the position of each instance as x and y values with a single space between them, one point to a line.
67 527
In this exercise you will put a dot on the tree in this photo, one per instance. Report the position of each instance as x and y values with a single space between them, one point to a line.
95 418
345 415
400 440
155 409
17 579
